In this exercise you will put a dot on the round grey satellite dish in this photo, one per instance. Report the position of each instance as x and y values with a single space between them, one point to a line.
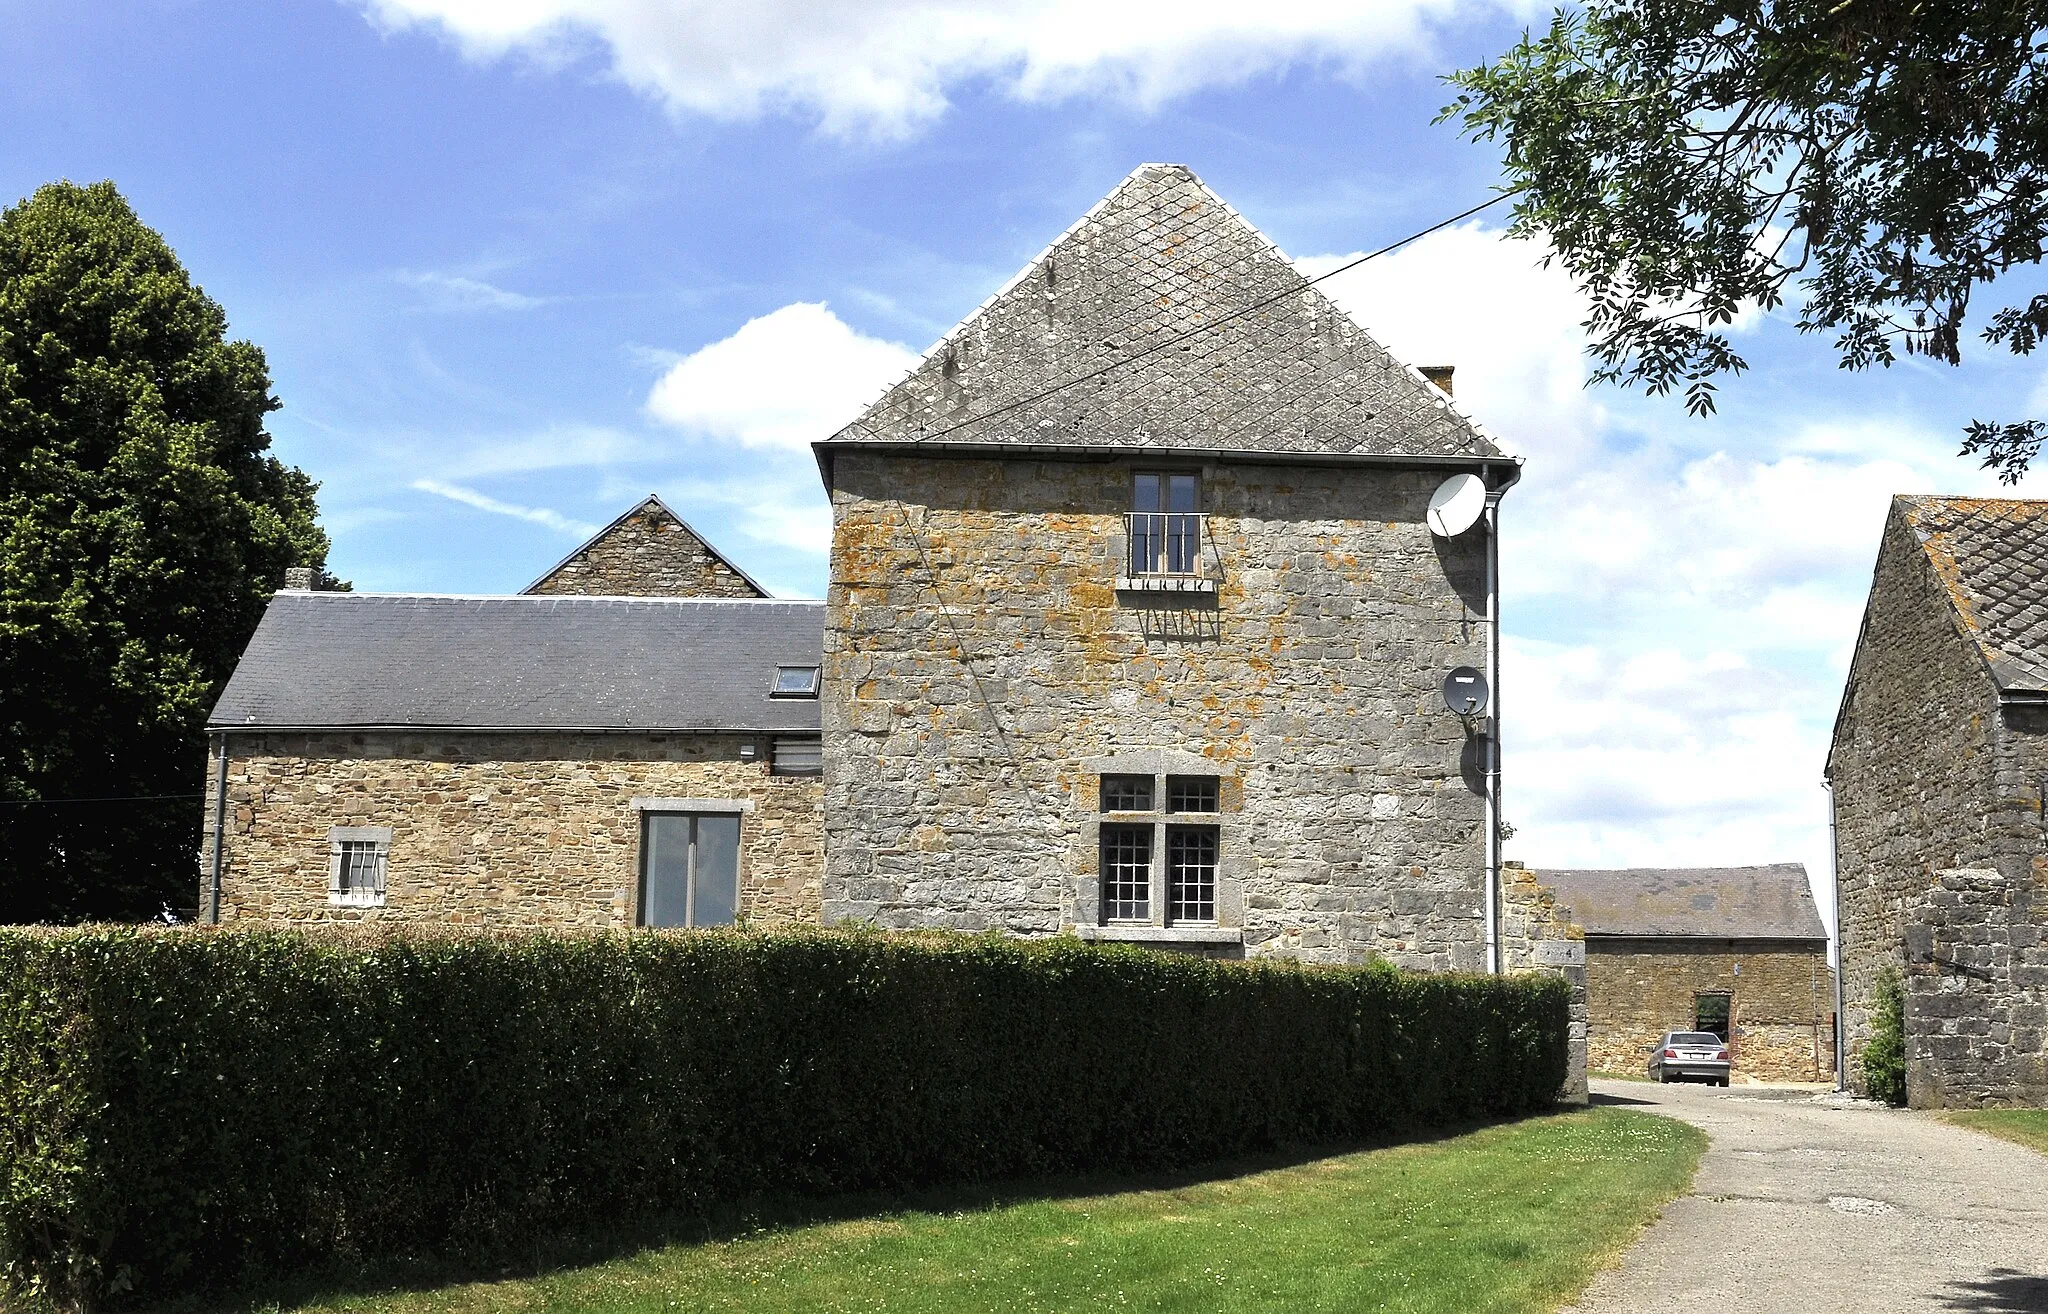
1465 690
1456 505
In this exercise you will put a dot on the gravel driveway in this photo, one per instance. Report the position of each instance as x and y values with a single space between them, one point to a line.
1803 1207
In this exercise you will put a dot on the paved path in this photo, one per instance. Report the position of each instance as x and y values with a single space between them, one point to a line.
1802 1207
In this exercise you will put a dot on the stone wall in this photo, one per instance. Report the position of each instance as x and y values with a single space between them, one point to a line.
1539 935
1780 995
1976 992
501 830
983 671
648 552
1912 767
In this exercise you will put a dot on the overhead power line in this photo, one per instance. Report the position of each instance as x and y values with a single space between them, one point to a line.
1199 329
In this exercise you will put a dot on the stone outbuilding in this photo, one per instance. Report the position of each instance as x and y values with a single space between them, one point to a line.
1137 628
1738 951
542 760
1937 773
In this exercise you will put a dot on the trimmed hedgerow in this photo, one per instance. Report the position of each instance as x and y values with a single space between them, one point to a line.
181 1109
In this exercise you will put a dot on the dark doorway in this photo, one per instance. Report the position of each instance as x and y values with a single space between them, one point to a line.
1711 1013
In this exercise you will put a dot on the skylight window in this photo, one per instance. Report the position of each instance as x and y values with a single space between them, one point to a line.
795 682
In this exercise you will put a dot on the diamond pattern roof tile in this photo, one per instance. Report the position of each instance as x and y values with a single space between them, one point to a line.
1992 556
1162 256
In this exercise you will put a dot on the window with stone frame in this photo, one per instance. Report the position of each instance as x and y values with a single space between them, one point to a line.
1156 865
689 868
357 857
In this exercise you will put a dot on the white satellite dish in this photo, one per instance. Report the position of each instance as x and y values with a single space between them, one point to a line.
1456 505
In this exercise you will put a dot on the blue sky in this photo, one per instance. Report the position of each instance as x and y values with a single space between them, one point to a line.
516 263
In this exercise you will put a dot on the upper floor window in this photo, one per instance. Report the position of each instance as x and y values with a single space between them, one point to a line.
1165 523
797 757
795 682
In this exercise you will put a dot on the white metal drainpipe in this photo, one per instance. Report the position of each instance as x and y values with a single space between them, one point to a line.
220 824
1841 940
1494 963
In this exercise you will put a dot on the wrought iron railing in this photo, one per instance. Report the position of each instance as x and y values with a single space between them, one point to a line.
1164 543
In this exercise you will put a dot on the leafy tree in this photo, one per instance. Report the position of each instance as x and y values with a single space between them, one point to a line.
143 524
1687 160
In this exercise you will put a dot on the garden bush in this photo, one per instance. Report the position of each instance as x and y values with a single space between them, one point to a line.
185 1109
1884 1054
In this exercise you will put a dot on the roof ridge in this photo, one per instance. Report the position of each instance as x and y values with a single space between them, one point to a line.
662 599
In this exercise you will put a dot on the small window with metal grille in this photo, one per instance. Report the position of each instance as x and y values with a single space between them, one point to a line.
797 757
1191 793
1191 873
1126 873
356 858
1127 793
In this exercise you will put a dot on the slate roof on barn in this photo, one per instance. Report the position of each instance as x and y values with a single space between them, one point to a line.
1277 366
1991 554
347 661
1721 903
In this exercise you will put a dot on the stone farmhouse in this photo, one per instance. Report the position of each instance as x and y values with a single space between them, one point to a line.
1137 629
1937 772
1738 951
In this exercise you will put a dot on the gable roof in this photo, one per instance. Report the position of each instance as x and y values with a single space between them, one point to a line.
1159 257
1991 555
332 661
1720 903
652 501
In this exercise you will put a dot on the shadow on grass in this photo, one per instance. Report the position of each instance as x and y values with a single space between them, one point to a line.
619 1238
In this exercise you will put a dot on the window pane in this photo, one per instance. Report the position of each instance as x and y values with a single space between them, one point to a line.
1127 793
1191 793
798 680
1145 493
1126 873
665 863
718 870
1180 493
1191 873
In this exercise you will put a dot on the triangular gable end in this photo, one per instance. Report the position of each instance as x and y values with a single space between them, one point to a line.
1276 365
650 551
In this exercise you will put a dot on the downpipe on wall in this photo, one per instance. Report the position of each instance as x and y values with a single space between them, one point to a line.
220 826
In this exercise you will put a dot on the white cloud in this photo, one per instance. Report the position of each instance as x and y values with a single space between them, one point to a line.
885 67
1471 298
785 380
454 293
539 515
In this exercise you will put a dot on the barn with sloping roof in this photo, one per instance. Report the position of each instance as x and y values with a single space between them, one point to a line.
1937 771
1738 951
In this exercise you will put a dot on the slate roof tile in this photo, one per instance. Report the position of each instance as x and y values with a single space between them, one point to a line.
1160 256
356 660
1723 903
1991 554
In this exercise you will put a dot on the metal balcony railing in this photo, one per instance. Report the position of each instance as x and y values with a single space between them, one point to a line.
1164 544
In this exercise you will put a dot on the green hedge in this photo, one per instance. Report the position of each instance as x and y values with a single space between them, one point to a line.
182 1109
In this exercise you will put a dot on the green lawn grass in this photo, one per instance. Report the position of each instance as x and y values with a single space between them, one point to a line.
2028 1127
1509 1218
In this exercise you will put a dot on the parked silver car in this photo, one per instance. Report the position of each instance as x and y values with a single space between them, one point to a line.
1690 1056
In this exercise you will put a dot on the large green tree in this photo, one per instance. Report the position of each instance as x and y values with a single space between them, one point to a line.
143 524
1871 164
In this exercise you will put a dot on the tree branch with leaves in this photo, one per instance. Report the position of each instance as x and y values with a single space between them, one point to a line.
1872 163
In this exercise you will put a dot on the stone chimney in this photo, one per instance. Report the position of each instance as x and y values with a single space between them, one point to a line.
300 579
1440 375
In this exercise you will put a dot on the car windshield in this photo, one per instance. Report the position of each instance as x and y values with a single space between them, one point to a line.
1694 1038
